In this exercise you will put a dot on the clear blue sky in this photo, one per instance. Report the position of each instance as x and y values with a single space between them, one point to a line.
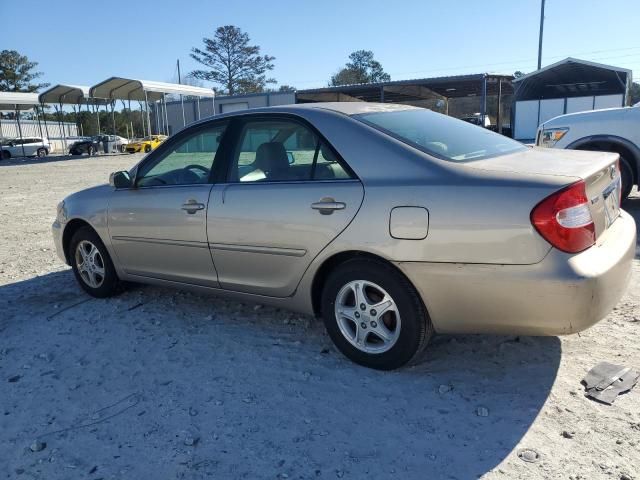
84 42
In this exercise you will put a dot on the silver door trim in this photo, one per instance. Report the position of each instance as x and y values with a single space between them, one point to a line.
289 252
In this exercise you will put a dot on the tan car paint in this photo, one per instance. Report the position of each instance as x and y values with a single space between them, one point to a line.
481 268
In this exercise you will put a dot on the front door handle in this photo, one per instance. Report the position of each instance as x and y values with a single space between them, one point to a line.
327 205
192 206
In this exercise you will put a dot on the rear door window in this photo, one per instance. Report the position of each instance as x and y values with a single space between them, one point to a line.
283 151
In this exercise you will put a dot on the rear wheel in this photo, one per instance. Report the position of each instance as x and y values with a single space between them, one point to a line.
92 265
42 152
91 150
374 315
123 148
6 155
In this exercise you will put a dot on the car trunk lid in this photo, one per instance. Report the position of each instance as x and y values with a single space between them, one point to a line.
598 170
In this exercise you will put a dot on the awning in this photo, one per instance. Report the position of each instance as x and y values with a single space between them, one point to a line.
18 101
68 95
117 88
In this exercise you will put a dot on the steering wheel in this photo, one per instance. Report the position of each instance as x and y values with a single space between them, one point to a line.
195 166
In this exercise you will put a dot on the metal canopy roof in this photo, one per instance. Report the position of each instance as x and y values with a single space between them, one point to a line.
572 77
68 94
457 86
117 88
18 101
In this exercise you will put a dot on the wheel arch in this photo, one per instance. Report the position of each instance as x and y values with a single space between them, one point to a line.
69 230
624 147
332 262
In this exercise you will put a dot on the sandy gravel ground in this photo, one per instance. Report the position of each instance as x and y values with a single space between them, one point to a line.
162 384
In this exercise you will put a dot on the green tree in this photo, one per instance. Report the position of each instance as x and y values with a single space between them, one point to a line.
286 88
232 62
17 73
361 68
518 74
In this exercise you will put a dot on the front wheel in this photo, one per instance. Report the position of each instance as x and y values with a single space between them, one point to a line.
6 155
123 148
374 315
91 151
92 265
42 152
147 148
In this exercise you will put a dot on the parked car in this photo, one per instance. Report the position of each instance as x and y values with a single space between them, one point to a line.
146 144
609 130
33 146
90 146
390 222
96 143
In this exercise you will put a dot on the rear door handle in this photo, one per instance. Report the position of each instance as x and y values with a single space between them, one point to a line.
192 206
326 206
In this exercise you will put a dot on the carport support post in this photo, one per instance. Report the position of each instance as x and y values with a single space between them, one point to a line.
20 131
484 99
35 108
113 116
198 107
166 115
146 98
499 116
61 124
44 119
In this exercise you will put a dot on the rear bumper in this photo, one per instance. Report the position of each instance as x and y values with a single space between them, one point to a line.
560 295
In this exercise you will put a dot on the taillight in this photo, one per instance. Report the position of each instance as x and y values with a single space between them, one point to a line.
564 219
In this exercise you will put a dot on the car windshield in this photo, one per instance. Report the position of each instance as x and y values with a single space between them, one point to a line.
441 136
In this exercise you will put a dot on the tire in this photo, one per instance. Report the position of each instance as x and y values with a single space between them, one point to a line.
100 279
123 148
147 148
6 155
626 175
408 329
42 152
91 151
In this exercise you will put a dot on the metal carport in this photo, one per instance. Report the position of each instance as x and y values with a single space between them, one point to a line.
118 88
17 101
421 92
75 95
568 86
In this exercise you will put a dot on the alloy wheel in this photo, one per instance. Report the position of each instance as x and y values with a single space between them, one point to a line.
367 316
90 264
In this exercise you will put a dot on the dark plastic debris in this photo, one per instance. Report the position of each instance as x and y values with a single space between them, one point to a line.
606 381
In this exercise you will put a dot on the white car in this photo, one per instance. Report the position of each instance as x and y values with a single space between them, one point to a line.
25 146
609 130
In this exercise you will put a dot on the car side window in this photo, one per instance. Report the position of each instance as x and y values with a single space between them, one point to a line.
282 151
188 162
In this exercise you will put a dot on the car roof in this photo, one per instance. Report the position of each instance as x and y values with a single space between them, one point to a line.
353 108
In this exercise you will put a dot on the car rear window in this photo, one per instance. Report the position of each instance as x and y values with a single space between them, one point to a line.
440 135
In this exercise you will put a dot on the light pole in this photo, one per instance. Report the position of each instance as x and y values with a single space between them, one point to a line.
541 31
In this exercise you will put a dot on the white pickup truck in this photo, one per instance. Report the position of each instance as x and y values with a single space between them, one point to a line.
610 130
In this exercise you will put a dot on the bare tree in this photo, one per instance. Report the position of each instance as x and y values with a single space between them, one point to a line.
232 63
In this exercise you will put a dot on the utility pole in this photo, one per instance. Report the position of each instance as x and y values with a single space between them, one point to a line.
541 31
184 119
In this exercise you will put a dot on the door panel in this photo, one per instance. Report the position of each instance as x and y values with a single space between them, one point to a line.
263 236
154 236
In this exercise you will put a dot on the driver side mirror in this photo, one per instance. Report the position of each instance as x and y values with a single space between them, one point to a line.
120 179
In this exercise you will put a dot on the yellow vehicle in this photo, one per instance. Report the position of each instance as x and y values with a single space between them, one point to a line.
145 144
